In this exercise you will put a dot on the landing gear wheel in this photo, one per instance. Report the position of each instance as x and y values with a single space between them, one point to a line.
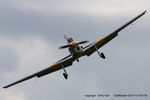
65 75
102 56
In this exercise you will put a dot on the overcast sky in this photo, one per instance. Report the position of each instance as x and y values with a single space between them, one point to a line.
31 31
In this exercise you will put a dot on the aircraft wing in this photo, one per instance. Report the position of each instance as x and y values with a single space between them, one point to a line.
90 49
67 61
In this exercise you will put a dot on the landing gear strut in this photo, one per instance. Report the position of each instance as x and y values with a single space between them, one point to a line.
65 72
100 54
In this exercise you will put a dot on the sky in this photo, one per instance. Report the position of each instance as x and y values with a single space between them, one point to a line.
31 31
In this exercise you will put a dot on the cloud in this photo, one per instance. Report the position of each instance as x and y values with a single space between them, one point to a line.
21 18
7 95
22 55
31 31
9 58
96 8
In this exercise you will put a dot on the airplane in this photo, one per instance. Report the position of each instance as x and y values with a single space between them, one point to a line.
77 51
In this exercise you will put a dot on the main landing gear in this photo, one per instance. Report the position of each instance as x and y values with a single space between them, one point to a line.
100 54
65 72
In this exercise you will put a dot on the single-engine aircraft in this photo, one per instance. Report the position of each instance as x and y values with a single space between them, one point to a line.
77 51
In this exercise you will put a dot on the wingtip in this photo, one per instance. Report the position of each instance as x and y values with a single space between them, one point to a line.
145 11
4 87
7 86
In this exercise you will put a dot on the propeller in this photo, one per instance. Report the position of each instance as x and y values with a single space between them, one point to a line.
73 44
82 42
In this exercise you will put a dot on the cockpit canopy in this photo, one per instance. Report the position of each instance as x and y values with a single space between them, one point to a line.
70 40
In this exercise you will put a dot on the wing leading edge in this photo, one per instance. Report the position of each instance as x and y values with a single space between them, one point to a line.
91 48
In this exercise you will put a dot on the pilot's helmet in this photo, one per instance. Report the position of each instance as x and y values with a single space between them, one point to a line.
70 40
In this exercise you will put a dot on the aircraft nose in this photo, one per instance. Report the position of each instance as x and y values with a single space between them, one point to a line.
74 44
